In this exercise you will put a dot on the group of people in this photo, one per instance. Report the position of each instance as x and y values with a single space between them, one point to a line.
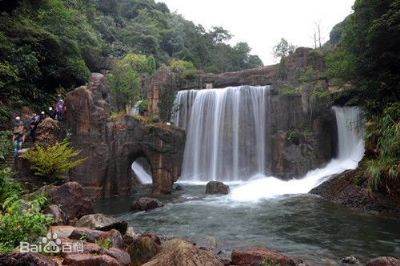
32 122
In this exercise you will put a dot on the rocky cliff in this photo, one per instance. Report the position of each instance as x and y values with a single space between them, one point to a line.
303 125
112 143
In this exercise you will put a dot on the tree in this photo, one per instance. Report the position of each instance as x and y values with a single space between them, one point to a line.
219 35
283 49
124 78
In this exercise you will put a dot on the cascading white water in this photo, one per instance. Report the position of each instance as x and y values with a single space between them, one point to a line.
143 176
350 152
226 132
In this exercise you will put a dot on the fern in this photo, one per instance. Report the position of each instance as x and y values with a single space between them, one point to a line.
54 161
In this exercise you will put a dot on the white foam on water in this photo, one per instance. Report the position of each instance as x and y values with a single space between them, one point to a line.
350 152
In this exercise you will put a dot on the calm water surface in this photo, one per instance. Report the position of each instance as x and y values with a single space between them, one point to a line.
303 226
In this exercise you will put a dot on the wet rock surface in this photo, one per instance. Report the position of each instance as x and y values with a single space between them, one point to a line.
102 222
215 187
177 252
343 189
260 256
384 261
146 204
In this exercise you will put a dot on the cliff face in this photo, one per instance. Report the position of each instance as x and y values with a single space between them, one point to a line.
112 144
303 126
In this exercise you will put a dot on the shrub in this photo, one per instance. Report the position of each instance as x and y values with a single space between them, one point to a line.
22 221
8 187
385 132
54 161
5 145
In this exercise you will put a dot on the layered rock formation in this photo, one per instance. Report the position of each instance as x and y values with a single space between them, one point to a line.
303 126
112 143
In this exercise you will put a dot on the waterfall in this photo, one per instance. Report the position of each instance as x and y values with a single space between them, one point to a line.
350 132
350 152
143 176
226 132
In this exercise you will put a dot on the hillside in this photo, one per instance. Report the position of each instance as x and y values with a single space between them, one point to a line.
48 46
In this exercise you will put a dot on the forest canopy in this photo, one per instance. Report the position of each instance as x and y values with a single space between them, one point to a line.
47 45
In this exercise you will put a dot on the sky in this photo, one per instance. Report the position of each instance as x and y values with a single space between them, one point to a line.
262 23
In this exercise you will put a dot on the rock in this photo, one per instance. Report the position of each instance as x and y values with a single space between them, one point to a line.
178 187
62 231
384 261
102 222
144 248
146 204
121 256
59 218
17 259
89 259
71 199
350 260
92 236
215 187
49 132
130 236
260 256
116 142
177 252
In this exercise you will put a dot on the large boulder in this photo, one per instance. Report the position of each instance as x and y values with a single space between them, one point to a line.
102 222
215 187
255 256
384 261
59 217
71 199
144 248
146 204
88 248
91 235
34 259
177 252
89 259
49 132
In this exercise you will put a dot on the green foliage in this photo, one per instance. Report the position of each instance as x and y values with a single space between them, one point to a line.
8 187
5 145
368 53
294 137
57 43
185 69
124 78
387 135
54 161
105 243
283 49
22 221
288 91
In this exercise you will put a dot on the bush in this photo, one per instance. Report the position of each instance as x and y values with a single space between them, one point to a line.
385 132
8 187
54 161
5 145
22 221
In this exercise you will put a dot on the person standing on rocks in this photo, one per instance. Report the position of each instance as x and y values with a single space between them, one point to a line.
18 136
60 108
35 120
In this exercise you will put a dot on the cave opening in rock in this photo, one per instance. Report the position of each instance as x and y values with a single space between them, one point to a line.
141 170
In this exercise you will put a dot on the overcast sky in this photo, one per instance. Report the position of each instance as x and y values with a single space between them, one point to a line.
261 23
